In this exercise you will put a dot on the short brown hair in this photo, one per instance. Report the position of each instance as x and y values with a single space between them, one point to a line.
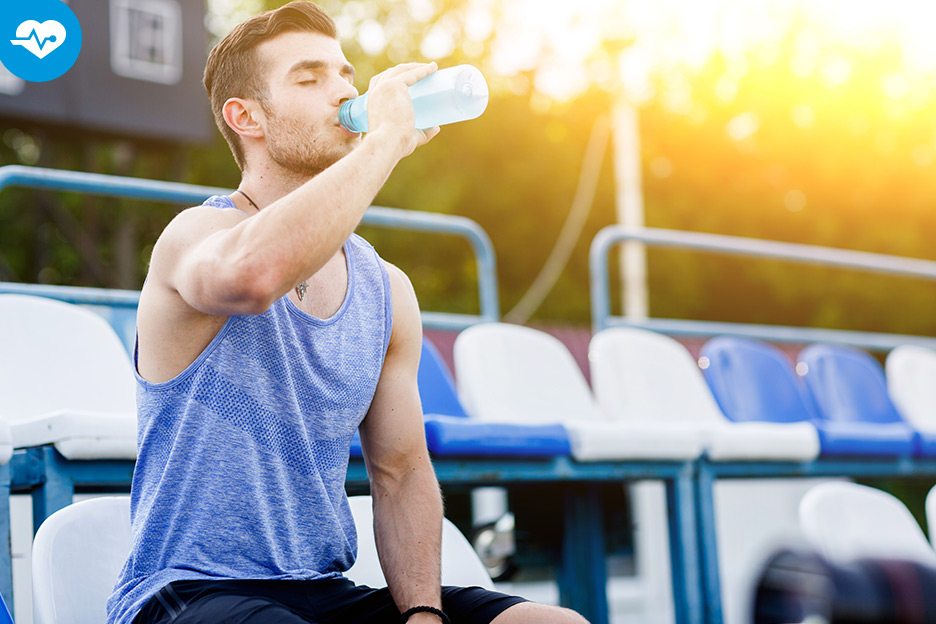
233 69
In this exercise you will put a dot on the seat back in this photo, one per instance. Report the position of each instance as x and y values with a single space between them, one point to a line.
930 506
57 356
911 383
77 554
753 380
847 521
79 551
436 386
461 565
847 385
642 375
510 373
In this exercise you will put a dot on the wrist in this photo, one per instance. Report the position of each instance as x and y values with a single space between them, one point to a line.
393 143
424 615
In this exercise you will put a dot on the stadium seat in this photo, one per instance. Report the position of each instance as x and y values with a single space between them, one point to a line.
639 375
848 388
642 375
79 551
519 375
77 554
5 616
911 383
450 432
460 563
847 521
436 386
930 507
755 381
65 380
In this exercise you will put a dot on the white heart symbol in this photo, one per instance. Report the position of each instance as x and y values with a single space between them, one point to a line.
40 39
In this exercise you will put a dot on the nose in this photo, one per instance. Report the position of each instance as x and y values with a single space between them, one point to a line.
345 91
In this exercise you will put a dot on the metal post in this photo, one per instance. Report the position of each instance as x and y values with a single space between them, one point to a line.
57 490
685 561
708 538
630 209
583 577
6 547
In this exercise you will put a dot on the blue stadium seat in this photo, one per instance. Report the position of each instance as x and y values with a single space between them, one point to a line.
752 380
436 386
849 389
449 431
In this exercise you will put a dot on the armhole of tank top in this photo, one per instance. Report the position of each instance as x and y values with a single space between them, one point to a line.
388 303
189 370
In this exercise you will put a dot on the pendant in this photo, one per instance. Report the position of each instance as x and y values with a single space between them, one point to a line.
301 289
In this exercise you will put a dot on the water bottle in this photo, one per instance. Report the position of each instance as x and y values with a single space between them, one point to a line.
453 94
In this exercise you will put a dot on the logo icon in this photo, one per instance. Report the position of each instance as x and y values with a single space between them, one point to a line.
39 40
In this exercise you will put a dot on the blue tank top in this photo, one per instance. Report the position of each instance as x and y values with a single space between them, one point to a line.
242 457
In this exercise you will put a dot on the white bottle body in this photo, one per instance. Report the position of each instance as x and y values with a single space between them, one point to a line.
447 96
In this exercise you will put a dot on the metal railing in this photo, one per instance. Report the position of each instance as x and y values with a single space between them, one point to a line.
119 306
747 247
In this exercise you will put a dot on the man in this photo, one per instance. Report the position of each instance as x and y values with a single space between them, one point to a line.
267 334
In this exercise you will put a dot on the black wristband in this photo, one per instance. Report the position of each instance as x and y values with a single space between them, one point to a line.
406 614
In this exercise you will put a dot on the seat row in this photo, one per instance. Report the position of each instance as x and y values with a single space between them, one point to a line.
650 399
65 379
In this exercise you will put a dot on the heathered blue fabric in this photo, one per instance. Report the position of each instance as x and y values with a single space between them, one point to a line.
242 457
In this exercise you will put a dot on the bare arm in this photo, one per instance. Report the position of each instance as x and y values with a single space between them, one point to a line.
407 502
221 266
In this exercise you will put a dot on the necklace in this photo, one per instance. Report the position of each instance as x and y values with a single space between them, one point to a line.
249 201
302 286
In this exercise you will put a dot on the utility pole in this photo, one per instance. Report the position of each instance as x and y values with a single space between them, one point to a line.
629 205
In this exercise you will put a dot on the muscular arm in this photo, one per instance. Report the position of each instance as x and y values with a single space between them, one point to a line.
407 502
222 268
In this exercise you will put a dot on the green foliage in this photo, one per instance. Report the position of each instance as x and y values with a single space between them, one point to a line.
831 164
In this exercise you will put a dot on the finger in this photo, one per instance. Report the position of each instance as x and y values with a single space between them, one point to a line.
428 134
402 68
414 75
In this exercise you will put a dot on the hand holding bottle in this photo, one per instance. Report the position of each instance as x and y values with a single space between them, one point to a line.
390 106
447 96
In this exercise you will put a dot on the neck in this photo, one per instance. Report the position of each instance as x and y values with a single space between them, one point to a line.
266 185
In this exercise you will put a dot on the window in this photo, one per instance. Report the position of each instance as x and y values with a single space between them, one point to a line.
146 40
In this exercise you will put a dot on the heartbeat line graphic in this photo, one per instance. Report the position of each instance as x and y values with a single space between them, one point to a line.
42 38
34 36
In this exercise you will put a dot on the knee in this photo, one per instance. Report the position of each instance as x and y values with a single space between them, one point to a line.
534 613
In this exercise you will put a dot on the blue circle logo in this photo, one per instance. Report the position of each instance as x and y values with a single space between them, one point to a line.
39 40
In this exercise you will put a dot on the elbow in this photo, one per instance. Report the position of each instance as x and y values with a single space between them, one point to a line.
256 291
243 288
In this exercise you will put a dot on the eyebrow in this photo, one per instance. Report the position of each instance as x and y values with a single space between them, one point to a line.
347 69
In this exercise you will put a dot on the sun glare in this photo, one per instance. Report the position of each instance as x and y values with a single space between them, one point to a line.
571 45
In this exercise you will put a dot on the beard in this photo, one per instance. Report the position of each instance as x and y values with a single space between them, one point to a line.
303 150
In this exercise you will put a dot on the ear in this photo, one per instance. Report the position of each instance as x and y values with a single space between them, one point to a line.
245 117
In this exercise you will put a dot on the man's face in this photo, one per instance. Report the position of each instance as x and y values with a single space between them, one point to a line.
308 78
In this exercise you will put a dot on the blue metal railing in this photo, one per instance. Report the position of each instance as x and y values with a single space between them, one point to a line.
747 247
119 306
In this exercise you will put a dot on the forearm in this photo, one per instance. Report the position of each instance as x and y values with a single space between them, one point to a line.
297 235
408 529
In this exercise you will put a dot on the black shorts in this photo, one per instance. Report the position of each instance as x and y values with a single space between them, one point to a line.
323 601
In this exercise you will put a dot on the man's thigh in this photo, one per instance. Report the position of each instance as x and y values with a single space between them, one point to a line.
326 601
228 602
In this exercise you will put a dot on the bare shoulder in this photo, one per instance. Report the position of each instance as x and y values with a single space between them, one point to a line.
407 323
191 226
